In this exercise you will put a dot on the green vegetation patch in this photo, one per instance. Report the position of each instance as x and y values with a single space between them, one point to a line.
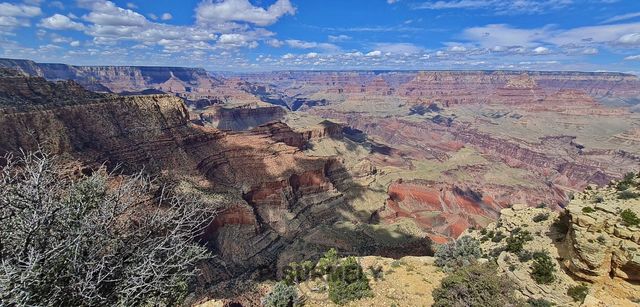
543 268
475 285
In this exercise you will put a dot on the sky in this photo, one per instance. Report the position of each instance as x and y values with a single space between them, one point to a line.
265 35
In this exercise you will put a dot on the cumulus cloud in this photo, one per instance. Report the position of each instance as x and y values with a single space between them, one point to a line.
458 49
166 16
541 50
374 54
19 10
106 13
16 15
243 11
60 22
74 43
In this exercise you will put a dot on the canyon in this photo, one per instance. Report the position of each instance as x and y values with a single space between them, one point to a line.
370 162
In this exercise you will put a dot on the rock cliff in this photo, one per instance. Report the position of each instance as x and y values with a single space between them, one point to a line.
591 241
276 204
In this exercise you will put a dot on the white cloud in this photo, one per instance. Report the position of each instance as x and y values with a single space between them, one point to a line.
499 6
19 10
392 1
630 39
106 13
458 49
374 54
622 17
633 58
493 35
60 22
132 6
299 44
541 50
288 56
311 55
152 16
501 35
74 43
276 43
242 10
338 38
166 16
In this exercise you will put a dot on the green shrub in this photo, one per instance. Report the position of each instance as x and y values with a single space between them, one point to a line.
539 303
524 256
347 282
298 272
282 295
628 177
541 217
543 268
588 210
622 186
598 199
475 285
578 293
629 217
327 262
628 195
515 243
464 251
498 237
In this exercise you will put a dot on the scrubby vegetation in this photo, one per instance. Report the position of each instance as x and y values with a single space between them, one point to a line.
626 194
282 295
629 218
588 210
346 279
348 282
516 241
539 303
543 268
541 217
475 285
96 240
464 251
578 293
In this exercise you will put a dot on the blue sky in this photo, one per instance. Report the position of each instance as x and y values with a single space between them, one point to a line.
258 35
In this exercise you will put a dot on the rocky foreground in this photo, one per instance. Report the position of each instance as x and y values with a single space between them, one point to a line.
595 249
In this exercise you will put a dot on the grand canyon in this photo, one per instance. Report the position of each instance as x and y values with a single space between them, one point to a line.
290 153
371 163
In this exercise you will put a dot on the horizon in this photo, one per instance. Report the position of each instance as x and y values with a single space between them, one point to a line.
293 35
338 70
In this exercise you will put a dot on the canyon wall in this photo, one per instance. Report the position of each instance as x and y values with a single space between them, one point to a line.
275 203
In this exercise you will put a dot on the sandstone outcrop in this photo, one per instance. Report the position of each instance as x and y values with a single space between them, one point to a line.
586 245
600 243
